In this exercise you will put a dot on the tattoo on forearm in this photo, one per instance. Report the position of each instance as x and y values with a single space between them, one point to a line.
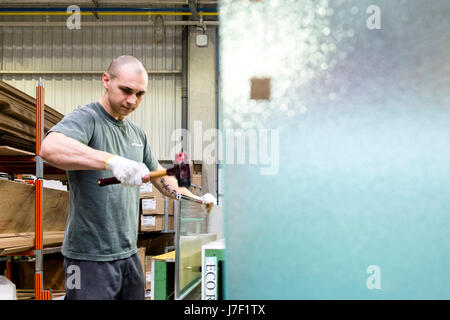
168 188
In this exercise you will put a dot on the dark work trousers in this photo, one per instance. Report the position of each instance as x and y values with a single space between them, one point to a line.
110 280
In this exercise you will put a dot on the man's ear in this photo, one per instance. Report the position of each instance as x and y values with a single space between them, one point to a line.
106 79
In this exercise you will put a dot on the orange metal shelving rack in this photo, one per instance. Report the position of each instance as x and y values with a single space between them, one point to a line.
40 294
23 164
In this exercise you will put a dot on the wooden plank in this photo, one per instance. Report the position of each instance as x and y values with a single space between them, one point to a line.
16 234
10 151
5 128
13 108
26 234
11 250
11 123
17 208
52 239
28 294
16 142
9 91
12 242
18 118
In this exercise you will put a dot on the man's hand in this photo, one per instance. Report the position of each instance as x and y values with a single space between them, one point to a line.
208 201
208 198
128 172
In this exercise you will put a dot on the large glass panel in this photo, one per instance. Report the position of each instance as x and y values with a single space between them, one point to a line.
342 110
192 231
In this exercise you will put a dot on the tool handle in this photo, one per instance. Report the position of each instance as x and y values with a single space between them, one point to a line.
107 181
112 180
158 174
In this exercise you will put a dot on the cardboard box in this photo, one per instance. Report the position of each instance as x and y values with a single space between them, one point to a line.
148 272
148 264
148 280
156 243
156 205
148 190
141 253
23 272
196 176
197 179
153 194
151 206
196 167
170 204
154 222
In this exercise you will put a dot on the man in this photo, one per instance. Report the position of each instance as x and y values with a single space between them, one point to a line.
97 141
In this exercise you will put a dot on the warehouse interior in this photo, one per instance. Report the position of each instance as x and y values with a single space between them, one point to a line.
177 43
320 129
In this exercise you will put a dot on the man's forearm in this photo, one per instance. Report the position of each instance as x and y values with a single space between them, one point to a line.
169 187
69 154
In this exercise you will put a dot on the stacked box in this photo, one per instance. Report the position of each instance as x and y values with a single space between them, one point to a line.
197 173
146 263
148 277
197 167
153 201
141 253
23 273
196 179
156 243
154 223
148 272
153 206
147 190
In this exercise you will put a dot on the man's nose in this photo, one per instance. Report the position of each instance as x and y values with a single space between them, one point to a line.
131 99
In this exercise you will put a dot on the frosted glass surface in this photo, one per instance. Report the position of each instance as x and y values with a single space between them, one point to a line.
358 206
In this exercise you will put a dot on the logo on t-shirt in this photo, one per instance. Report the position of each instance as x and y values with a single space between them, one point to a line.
135 144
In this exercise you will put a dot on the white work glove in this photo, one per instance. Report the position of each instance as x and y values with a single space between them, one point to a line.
128 172
208 198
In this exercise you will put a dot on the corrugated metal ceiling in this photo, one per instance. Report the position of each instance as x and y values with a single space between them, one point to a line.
71 62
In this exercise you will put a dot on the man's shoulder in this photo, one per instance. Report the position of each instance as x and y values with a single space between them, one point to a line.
89 108
77 124
87 111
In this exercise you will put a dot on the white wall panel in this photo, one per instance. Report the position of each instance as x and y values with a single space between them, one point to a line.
37 49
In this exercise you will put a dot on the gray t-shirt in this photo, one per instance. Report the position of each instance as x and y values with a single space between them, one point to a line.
103 221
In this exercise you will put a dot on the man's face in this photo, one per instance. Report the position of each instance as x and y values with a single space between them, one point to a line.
125 91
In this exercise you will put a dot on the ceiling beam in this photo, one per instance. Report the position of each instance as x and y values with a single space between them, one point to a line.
106 23
89 2
105 3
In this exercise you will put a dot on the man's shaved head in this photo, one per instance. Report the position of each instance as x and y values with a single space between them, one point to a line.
130 62
125 85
